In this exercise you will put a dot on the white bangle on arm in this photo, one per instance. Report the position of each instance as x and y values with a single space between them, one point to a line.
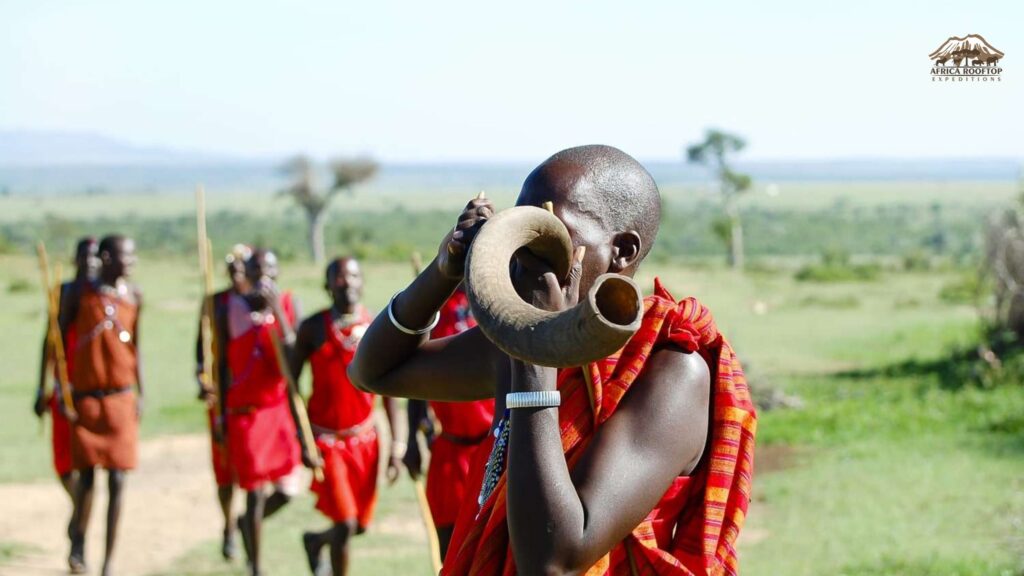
410 331
544 399
398 449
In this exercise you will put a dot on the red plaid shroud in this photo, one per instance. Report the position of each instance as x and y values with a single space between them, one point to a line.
694 527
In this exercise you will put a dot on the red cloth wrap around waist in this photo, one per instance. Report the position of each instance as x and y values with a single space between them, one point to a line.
264 445
693 528
349 488
106 433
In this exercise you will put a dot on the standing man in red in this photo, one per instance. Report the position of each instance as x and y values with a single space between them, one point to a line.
86 267
464 426
107 369
342 417
212 393
260 425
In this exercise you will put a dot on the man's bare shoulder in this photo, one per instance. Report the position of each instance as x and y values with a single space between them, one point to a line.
674 390
311 329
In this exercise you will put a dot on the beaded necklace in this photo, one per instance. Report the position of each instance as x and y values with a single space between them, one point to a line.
352 340
497 461
110 320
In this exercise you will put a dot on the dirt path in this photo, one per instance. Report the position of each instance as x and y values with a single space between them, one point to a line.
173 476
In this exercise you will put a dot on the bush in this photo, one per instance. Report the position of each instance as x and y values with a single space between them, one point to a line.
833 302
19 285
917 261
836 266
963 290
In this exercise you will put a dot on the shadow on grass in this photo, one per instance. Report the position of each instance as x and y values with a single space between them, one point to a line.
935 566
984 383
953 372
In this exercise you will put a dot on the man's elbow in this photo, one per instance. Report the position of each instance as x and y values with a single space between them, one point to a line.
359 378
552 568
567 563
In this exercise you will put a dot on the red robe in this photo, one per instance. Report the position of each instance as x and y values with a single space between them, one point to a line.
464 427
61 433
342 419
105 371
693 528
221 462
264 445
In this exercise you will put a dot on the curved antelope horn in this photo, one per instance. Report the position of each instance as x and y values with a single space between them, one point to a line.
601 324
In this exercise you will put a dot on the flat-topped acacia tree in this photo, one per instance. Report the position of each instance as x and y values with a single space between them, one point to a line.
314 200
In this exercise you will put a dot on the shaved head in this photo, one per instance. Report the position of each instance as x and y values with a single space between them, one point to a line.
603 185
345 283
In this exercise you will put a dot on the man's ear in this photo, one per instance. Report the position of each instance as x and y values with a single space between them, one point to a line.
625 251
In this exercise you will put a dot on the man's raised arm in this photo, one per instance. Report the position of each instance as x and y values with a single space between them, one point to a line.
394 357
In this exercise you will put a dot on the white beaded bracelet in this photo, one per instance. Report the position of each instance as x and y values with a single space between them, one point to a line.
545 399
411 332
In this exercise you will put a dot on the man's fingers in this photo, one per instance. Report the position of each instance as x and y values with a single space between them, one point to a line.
468 223
530 262
456 248
576 271
551 281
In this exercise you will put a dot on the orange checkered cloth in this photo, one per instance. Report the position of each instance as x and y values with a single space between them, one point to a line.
694 527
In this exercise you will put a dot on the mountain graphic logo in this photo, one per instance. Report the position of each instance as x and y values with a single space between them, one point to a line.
971 50
966 59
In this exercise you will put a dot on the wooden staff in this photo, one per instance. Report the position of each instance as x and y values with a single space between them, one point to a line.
53 333
428 522
207 334
297 403
421 494
417 263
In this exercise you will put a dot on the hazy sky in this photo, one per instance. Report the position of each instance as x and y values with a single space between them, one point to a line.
425 81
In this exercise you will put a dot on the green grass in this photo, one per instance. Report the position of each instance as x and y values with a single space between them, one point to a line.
877 474
897 477
10 551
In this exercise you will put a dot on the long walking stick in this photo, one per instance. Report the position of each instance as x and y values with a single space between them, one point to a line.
53 334
297 403
207 334
421 494
428 522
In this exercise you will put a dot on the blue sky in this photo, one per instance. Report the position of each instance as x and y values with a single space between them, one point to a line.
479 81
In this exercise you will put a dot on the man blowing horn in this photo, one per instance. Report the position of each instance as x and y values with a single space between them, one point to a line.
642 463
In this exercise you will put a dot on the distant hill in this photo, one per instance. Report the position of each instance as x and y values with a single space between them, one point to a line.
36 148
34 163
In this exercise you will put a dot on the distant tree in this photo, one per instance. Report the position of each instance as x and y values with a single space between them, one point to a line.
346 172
714 152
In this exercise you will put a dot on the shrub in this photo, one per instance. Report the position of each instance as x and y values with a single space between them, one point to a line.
19 285
963 290
836 266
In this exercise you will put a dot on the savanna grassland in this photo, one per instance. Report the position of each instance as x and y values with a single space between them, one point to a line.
873 459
